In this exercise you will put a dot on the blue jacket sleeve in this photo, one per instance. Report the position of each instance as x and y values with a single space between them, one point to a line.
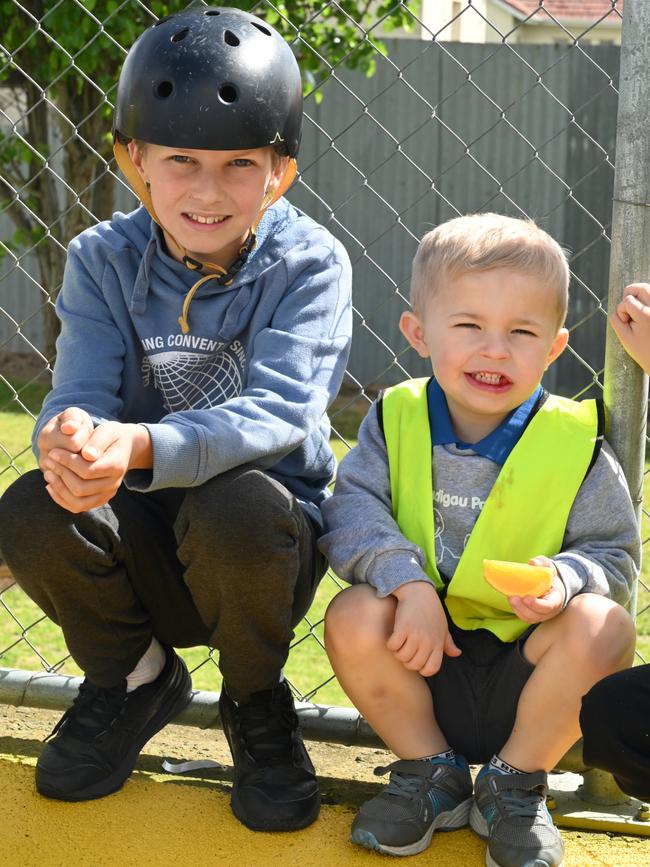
82 376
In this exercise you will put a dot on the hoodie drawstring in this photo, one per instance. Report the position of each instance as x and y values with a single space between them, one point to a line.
223 277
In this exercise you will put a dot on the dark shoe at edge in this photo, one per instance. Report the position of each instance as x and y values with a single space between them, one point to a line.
275 787
96 743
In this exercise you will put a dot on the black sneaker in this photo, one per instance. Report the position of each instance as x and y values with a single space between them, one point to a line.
274 787
96 742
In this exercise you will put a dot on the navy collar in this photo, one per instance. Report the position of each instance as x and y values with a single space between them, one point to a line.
496 445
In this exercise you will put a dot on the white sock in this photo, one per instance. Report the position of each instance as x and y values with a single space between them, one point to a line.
448 755
149 666
498 764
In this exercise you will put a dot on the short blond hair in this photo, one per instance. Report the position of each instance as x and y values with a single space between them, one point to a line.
481 242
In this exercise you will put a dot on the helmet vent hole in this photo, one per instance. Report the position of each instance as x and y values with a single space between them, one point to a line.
261 28
230 39
227 93
180 35
212 12
164 89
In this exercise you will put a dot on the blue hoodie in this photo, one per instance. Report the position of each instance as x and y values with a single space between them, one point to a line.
249 384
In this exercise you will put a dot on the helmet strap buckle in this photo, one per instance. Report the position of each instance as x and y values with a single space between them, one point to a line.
192 264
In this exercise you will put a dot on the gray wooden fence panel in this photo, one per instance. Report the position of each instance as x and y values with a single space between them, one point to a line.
21 301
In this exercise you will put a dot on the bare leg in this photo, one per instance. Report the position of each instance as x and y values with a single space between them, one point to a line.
591 638
395 701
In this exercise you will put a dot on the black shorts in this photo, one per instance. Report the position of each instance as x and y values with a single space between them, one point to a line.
475 695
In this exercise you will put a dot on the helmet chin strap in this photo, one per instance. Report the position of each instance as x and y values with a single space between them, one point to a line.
223 276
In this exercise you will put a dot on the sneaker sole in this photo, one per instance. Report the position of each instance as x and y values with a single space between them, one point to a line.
452 820
120 775
479 826
274 824
477 823
536 862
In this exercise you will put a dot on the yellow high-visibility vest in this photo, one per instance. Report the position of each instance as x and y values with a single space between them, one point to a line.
525 513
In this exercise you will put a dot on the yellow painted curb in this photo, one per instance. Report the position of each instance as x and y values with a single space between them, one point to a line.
161 820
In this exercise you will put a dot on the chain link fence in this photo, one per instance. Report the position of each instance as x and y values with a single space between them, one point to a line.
414 113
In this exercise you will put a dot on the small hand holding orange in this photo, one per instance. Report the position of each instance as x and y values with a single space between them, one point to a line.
536 609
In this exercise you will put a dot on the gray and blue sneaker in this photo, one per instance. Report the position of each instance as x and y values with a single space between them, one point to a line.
510 812
422 796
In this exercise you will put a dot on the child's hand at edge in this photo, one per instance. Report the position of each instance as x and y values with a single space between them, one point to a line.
79 482
420 633
70 430
533 609
631 322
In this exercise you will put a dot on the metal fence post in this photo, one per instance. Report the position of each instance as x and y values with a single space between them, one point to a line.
625 385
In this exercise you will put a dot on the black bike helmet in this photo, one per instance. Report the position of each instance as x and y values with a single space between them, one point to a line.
212 79
209 79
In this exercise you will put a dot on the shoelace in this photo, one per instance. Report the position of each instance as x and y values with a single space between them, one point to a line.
267 726
94 711
519 805
404 783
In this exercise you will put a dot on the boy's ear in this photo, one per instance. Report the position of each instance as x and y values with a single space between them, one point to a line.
411 328
280 168
277 174
557 347
136 153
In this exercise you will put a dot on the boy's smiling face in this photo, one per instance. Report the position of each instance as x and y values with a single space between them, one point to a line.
207 200
490 336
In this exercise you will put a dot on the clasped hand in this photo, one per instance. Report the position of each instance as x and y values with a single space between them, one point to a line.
84 465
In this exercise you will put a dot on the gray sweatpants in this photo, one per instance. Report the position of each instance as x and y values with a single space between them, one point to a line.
232 564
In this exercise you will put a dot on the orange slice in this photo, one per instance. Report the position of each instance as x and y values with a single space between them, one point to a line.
518 579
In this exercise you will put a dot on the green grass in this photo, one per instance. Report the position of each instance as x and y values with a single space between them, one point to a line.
307 668
16 455
17 401
643 590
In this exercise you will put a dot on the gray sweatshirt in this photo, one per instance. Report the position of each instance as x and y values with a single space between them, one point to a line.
600 552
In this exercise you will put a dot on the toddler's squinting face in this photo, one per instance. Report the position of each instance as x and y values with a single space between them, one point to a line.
490 336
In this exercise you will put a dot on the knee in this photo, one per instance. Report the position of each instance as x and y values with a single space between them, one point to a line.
230 512
602 631
358 623
23 503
